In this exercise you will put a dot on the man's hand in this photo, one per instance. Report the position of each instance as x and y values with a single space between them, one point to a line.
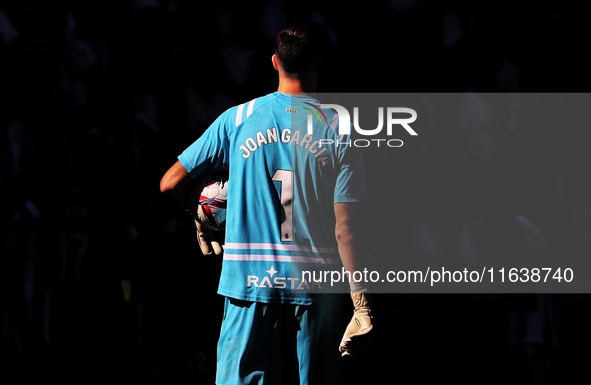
359 332
176 185
211 242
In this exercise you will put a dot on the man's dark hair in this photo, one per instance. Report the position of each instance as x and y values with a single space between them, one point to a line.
299 47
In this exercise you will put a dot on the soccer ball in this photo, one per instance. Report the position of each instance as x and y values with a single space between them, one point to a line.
209 197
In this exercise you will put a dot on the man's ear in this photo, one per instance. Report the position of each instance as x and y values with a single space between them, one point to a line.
274 59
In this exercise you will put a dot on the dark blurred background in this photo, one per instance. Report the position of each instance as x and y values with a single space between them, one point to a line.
102 279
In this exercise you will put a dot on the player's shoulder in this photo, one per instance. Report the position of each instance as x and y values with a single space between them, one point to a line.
238 114
332 117
329 115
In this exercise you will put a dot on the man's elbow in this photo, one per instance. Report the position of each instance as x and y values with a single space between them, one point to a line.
166 185
344 235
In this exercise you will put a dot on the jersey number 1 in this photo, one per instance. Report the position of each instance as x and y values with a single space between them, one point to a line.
285 177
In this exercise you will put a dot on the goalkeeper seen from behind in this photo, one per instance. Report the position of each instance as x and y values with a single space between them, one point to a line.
273 330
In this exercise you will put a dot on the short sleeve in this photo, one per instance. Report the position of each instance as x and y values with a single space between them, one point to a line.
210 152
350 184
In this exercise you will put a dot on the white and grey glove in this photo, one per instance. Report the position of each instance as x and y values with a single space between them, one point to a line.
359 332
211 242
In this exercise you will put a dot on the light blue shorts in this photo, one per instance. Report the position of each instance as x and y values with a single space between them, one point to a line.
279 343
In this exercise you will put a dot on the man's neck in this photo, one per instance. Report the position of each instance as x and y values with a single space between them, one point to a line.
295 86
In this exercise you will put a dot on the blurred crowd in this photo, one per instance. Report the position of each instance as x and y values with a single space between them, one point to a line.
102 279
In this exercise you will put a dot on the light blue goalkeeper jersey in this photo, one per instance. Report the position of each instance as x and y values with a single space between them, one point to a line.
283 184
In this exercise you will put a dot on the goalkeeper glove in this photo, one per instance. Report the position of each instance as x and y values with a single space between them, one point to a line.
210 241
359 332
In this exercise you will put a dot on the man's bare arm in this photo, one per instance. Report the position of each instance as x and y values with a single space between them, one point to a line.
174 185
348 234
